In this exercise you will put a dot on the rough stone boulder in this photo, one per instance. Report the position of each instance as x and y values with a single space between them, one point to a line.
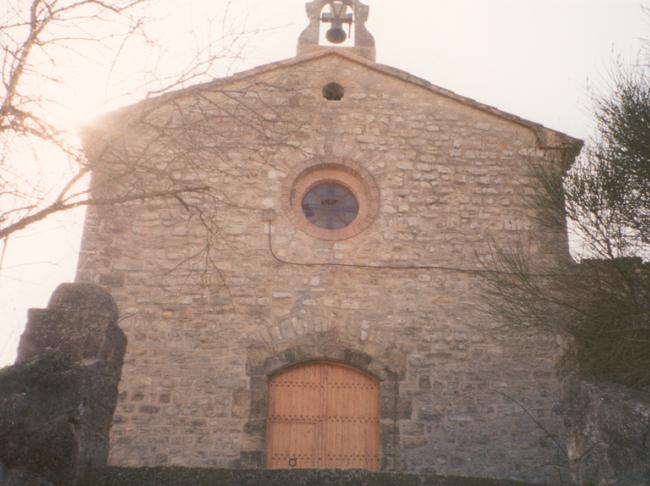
58 400
608 433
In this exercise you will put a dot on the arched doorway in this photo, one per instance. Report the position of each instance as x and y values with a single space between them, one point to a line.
323 416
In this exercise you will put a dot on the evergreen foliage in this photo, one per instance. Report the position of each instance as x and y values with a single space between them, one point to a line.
603 302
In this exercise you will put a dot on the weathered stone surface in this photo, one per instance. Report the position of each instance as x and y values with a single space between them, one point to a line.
57 409
17 477
55 416
399 300
608 433
200 477
80 323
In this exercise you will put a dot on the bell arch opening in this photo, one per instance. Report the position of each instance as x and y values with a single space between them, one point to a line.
336 25
323 415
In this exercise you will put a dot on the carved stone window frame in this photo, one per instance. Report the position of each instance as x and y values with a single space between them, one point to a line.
347 173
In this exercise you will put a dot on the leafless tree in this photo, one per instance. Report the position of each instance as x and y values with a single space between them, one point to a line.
35 36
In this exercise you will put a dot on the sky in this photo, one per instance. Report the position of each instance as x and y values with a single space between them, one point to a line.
540 60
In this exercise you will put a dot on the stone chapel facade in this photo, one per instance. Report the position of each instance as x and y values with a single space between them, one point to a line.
307 292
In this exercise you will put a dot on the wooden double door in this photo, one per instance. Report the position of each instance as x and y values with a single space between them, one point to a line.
323 416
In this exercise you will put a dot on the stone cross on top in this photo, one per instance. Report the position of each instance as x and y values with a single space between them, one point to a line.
338 14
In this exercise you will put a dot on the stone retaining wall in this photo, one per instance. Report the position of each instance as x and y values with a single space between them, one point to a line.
221 477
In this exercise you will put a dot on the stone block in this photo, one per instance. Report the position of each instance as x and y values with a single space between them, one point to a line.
57 402
56 416
80 323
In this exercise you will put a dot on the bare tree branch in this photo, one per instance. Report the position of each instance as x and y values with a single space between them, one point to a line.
603 302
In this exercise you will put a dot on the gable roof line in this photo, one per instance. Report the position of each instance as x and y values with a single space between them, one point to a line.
539 130
542 133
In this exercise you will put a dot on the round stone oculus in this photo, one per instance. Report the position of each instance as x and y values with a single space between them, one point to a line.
330 205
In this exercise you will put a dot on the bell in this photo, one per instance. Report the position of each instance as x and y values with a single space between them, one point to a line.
336 34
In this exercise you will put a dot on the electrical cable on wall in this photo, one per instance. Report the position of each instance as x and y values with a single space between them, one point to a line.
391 267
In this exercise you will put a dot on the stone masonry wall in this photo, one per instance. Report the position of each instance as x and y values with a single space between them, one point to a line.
211 314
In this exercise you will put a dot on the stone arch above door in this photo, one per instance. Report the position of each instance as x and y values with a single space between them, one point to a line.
264 361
